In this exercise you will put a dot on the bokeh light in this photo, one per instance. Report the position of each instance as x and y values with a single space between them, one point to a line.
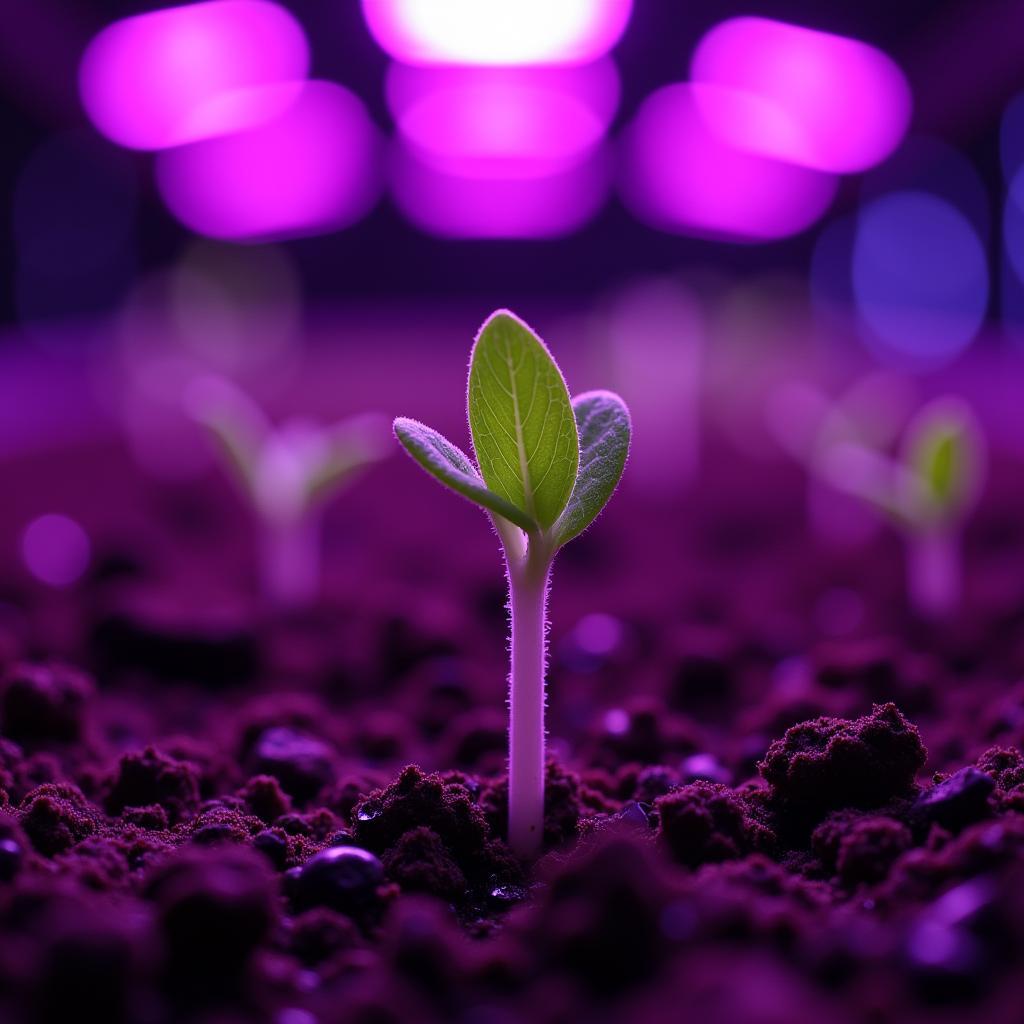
821 100
597 84
55 550
681 177
313 168
454 206
501 122
496 31
920 277
186 73
927 164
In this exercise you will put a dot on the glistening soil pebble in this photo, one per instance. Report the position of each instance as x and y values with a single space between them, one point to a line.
758 811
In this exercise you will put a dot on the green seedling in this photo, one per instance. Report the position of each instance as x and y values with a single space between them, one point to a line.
927 492
545 467
287 473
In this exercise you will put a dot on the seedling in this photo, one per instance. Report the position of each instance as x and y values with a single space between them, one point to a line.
287 473
927 492
545 467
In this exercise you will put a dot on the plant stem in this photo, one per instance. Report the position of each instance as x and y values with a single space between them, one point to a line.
528 591
934 573
291 560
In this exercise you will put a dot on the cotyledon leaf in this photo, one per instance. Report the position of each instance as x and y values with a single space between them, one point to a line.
450 465
604 426
235 421
944 450
524 431
348 447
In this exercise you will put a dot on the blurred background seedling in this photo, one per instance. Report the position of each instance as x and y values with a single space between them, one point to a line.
287 473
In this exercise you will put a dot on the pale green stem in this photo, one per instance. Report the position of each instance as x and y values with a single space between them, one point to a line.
291 560
528 574
934 572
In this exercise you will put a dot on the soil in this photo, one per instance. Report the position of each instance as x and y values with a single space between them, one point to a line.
774 794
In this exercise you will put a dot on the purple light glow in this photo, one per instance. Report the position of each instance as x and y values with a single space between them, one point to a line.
925 164
55 550
598 634
595 84
1011 137
452 206
503 123
920 277
681 177
1013 224
656 333
496 31
188 73
311 169
812 98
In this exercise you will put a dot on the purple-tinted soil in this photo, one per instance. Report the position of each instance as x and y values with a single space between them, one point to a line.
774 796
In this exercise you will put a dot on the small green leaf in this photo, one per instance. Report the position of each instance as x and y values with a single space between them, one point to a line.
236 422
349 447
449 464
603 422
944 452
872 476
524 432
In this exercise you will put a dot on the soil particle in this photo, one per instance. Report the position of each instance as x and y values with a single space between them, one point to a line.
831 763
44 702
706 822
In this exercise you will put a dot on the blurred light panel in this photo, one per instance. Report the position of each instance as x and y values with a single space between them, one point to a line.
503 123
920 277
496 31
452 206
680 176
597 84
313 168
504 127
187 73
820 100
55 550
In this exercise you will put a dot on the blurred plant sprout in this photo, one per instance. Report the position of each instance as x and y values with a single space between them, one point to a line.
545 467
927 492
287 472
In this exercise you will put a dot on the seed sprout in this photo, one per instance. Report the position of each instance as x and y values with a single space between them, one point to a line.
545 467
927 492
288 473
